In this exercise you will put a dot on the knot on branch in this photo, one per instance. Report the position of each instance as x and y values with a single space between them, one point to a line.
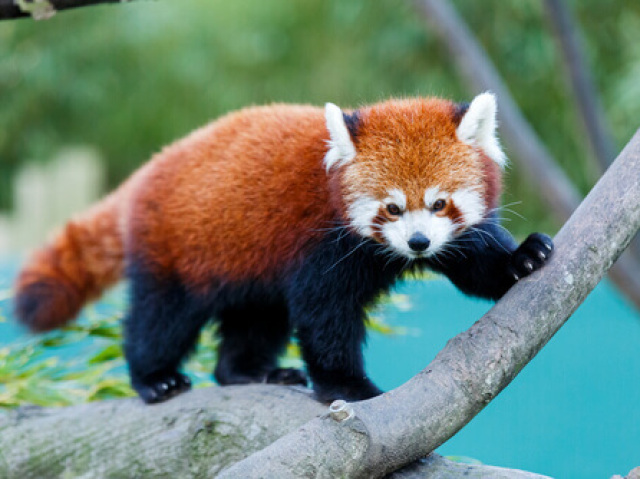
341 410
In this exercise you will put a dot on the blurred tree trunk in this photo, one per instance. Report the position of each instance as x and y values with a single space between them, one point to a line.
583 89
580 82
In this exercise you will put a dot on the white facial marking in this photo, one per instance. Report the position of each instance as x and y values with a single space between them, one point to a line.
431 195
470 204
438 229
362 212
478 127
396 197
341 147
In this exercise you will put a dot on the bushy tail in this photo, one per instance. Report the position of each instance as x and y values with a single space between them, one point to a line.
77 265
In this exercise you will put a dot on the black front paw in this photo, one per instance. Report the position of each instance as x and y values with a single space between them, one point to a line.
162 386
287 376
530 256
350 390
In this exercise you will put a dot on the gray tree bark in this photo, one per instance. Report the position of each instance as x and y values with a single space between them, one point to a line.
196 435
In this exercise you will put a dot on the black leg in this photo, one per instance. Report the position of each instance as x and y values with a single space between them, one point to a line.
327 297
253 337
161 328
486 261
331 342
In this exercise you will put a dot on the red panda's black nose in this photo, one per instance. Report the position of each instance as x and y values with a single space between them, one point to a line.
418 242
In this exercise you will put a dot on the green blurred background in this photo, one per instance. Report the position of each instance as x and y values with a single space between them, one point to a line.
128 79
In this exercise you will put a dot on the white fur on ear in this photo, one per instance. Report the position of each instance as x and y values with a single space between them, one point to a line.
341 147
478 127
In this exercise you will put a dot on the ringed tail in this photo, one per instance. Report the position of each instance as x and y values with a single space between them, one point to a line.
80 261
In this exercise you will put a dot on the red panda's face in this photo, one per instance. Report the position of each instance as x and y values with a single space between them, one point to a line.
417 175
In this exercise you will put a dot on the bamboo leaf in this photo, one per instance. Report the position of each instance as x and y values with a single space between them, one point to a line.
113 351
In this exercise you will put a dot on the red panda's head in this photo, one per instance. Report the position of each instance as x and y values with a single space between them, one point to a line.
414 174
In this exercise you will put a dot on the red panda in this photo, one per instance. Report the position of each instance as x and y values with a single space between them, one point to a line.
286 219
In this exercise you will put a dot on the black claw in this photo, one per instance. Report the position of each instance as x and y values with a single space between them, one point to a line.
287 376
148 395
162 387
530 256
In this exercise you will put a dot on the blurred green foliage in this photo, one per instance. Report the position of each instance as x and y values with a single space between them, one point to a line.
131 78
31 372
38 371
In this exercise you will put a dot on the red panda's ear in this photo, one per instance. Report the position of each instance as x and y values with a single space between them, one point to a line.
341 147
478 127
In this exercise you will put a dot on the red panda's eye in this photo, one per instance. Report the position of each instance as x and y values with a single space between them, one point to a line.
439 205
393 209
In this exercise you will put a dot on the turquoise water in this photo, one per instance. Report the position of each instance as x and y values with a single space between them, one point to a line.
572 412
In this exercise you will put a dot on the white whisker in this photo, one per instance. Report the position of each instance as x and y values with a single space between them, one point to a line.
358 246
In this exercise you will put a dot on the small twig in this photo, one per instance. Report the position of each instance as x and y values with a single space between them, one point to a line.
43 9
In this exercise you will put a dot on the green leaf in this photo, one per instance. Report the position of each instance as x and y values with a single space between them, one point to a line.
377 324
113 351
58 340
109 389
106 331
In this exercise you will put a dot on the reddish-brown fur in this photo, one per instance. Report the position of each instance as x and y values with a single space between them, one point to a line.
239 199
79 263
245 197
420 136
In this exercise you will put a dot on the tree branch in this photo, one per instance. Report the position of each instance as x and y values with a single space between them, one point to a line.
10 9
195 435
480 73
381 434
